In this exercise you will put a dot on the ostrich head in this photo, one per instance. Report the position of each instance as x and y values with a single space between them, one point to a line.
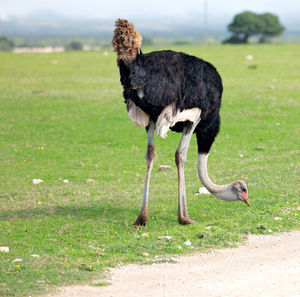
126 41
240 189
235 191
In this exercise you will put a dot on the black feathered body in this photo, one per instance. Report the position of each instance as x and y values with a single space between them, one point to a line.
173 77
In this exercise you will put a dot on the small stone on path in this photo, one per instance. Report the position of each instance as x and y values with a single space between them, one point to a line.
4 249
37 181
90 180
187 243
167 238
164 167
203 191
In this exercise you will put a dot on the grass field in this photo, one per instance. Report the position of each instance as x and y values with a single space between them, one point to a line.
63 117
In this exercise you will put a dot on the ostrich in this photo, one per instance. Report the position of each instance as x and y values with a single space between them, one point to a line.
171 90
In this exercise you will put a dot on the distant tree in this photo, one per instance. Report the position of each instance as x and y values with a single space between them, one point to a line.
244 25
6 45
105 44
181 42
74 46
147 41
270 27
247 24
233 40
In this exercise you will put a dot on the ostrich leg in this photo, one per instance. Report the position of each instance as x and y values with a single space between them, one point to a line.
180 159
150 158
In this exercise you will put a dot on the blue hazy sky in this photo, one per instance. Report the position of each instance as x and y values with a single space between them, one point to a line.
151 9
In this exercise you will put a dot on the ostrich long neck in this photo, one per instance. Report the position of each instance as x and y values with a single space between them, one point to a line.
223 192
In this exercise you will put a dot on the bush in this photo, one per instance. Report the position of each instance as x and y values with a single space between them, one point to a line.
181 42
6 45
74 46
147 41
234 40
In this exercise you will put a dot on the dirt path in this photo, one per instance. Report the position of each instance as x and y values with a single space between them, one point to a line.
265 266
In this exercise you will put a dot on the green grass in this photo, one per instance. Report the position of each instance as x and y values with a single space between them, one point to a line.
71 105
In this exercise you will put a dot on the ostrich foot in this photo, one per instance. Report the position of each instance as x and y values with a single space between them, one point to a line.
185 221
141 219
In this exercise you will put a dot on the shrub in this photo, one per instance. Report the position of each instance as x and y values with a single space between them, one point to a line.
74 46
6 45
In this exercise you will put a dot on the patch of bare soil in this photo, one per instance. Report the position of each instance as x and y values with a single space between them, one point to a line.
264 266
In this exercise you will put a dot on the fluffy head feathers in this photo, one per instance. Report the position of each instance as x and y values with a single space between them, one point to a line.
126 41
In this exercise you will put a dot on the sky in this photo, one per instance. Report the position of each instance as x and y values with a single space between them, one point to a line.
183 9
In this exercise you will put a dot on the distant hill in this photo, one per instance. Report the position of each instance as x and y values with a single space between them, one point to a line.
46 24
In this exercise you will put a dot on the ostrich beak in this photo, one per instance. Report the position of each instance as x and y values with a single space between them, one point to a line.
245 197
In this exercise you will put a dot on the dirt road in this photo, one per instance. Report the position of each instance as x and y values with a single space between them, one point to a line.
265 266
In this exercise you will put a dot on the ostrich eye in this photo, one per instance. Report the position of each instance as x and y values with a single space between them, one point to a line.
243 189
